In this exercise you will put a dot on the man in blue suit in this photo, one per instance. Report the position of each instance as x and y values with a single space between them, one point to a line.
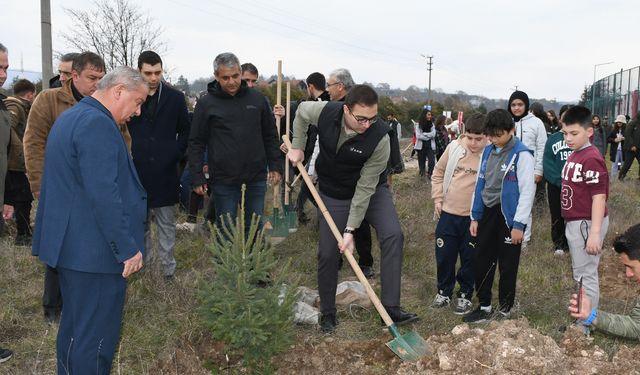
90 220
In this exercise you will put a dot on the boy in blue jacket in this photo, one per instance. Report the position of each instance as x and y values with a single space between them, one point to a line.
500 209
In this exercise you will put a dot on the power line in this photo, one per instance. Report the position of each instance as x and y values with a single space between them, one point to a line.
321 37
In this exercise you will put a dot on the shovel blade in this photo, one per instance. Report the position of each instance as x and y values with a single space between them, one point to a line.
409 347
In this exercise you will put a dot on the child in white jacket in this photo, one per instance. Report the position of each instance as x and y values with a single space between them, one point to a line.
530 131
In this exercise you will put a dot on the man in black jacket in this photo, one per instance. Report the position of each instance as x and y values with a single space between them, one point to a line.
237 127
158 142
631 144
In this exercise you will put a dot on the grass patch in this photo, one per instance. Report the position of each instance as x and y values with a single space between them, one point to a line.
161 317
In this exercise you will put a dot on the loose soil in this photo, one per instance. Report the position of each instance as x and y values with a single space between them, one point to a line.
500 347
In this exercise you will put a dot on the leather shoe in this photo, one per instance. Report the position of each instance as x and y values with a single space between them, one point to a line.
328 323
401 317
51 317
368 272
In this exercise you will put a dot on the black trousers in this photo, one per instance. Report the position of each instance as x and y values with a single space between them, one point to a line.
382 216
23 217
629 156
195 201
362 239
18 194
303 196
426 157
51 297
557 222
496 251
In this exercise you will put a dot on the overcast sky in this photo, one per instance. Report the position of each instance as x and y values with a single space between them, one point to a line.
547 48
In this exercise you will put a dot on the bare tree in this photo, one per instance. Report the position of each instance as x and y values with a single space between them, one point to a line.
114 29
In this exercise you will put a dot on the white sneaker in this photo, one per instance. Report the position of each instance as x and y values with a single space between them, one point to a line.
558 252
190 227
440 301
462 305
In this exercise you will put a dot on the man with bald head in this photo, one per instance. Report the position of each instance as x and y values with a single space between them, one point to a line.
90 220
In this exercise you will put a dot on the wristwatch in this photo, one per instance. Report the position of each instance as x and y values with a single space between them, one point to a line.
350 231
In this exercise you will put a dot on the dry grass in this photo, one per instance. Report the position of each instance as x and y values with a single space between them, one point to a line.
160 317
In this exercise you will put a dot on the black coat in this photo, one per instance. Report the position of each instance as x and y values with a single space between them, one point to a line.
158 142
239 133
614 146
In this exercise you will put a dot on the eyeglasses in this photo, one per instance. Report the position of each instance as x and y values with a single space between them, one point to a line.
364 120
333 84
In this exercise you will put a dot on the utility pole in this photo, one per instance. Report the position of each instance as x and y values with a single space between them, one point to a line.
429 69
45 34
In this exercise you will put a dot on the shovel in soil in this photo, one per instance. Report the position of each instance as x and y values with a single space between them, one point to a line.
290 214
410 346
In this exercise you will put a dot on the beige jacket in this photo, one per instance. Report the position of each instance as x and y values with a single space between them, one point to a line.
457 200
48 105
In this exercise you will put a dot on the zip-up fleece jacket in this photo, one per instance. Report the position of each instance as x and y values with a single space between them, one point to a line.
531 131
518 187
239 133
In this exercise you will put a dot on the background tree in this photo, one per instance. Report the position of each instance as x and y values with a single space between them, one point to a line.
114 29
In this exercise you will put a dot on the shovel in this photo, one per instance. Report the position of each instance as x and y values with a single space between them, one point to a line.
278 224
290 214
410 346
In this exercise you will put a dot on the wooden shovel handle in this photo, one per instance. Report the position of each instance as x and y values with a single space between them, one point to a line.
338 235
276 187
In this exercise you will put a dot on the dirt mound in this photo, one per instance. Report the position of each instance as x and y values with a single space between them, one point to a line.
512 347
331 356
507 347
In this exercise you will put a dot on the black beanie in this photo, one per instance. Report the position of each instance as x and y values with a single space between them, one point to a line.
522 96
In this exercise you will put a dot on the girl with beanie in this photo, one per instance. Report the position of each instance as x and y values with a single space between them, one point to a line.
531 131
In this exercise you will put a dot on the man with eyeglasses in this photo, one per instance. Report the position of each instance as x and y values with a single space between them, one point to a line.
351 168
64 70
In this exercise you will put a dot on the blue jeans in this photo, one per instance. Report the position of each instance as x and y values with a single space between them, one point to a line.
228 197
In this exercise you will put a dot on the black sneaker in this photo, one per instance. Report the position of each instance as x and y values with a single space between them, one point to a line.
328 323
477 316
5 355
23 240
502 314
51 317
368 272
401 317
303 219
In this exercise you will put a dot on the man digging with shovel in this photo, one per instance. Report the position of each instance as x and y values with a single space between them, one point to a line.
354 150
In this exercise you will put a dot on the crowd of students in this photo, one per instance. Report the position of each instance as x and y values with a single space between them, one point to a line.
484 182
483 189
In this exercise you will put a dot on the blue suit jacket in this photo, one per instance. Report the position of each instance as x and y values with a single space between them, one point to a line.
92 205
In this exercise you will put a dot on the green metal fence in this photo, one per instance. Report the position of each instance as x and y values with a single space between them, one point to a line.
617 94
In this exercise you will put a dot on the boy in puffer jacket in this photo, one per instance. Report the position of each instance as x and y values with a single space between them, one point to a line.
452 186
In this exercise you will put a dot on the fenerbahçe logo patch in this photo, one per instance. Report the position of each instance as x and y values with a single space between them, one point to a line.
440 242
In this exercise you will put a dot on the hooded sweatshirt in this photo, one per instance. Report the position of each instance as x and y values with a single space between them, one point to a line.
530 130
240 134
